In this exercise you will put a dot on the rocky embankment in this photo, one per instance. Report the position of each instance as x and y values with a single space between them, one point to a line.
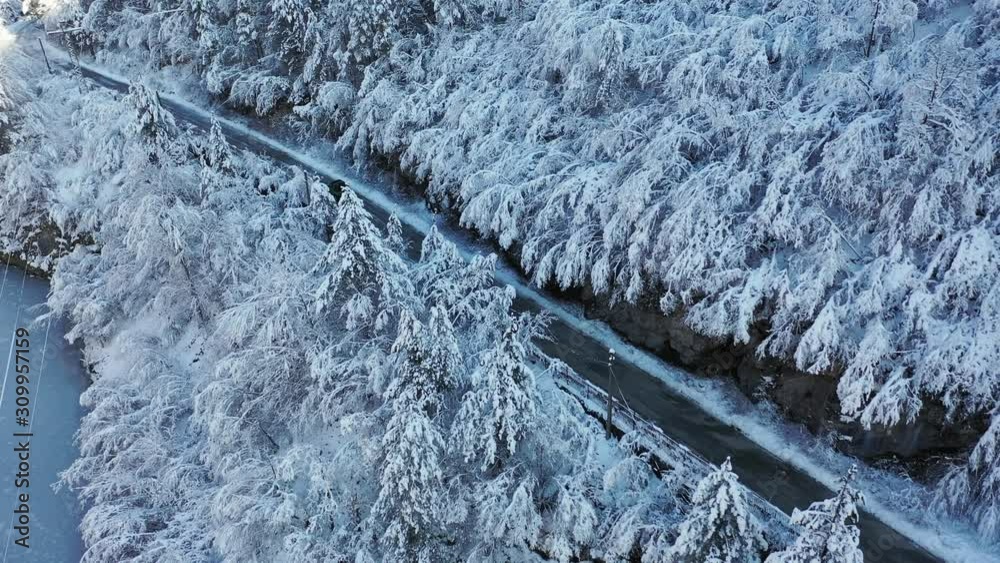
803 397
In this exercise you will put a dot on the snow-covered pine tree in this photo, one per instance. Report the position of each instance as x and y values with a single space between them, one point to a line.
720 527
437 271
427 362
323 52
394 235
6 105
829 531
573 525
287 30
151 128
503 9
149 232
974 489
245 28
611 65
77 37
216 158
217 152
452 13
198 17
509 522
411 499
27 162
199 13
636 502
373 27
407 513
362 277
500 409
145 499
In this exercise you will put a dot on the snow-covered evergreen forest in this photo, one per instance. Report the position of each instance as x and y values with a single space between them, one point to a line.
275 379
823 173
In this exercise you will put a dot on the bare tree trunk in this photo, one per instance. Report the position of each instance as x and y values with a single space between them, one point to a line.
871 34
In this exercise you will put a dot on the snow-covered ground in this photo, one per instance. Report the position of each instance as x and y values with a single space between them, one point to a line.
892 498
56 381
812 459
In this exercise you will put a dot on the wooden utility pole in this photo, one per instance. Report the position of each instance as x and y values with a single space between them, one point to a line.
611 398
46 57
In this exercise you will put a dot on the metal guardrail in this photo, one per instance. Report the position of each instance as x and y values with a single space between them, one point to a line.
690 464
